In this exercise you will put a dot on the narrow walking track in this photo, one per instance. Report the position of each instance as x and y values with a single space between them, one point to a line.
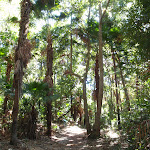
72 137
69 138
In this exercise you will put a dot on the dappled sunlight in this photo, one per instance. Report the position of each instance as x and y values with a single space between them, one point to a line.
112 134
73 130
60 138
99 145
70 135
74 136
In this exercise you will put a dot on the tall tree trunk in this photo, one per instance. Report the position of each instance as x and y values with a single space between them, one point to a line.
124 86
86 116
116 81
100 95
96 128
71 60
22 56
97 90
111 105
71 46
88 127
97 77
49 81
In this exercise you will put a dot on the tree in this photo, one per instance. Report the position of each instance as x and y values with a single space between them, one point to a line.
123 81
116 85
22 56
119 43
137 28
48 79
96 128
86 40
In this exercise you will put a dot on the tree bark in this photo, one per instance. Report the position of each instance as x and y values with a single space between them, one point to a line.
71 105
97 77
96 128
49 81
71 46
86 115
100 95
22 56
116 81
84 79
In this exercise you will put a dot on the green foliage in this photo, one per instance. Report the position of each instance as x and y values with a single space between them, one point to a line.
40 6
63 15
93 29
14 19
38 91
1 100
138 29
61 35
7 41
66 85
114 32
107 24
128 35
140 110
6 88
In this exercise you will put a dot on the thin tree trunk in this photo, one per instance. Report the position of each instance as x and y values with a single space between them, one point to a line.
116 80
49 118
87 123
137 90
97 77
119 95
97 87
9 68
100 96
54 77
88 127
71 60
87 42
49 81
110 102
71 46
123 83
86 115
111 105
22 56
71 105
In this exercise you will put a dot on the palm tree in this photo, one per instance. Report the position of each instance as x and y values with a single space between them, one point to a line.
22 56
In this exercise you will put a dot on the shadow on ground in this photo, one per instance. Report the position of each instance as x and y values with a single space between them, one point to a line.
69 138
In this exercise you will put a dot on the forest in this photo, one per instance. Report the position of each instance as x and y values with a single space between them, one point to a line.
74 74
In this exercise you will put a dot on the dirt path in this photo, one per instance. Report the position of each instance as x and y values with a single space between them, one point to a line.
69 138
